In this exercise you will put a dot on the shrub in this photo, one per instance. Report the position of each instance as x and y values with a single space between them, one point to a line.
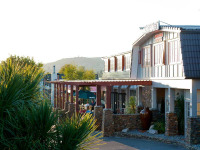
160 126
131 105
179 109
27 120
78 133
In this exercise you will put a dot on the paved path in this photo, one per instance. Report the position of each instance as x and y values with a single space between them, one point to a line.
120 143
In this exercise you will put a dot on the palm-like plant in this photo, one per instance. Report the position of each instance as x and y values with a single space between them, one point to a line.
27 121
78 133
18 89
131 105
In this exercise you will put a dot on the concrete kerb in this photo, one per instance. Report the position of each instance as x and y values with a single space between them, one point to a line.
168 141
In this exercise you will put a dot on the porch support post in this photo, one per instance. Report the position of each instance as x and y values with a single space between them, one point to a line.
67 99
139 96
171 123
98 109
171 98
127 94
193 95
57 100
63 96
71 95
71 106
77 95
154 97
119 90
108 97
108 123
55 95
98 94
60 98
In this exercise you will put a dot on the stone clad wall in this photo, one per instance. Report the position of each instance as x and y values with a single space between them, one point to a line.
122 121
98 114
146 96
107 123
193 130
171 124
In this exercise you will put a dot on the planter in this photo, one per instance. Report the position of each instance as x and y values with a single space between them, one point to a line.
145 116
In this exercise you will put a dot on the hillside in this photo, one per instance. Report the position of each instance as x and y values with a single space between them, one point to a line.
95 63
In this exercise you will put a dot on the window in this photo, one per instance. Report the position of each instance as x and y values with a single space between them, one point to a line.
174 52
119 63
115 59
112 64
123 63
128 63
159 54
146 56
106 64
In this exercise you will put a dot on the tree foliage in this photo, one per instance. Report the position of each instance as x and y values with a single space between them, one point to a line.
27 121
72 72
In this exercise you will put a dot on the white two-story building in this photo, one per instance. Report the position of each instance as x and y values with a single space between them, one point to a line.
169 56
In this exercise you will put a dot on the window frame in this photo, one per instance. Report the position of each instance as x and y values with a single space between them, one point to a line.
177 54
148 58
161 57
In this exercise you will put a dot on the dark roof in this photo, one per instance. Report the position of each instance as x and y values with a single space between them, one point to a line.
181 27
190 45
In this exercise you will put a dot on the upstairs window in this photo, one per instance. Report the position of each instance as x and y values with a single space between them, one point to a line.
119 63
128 62
112 64
159 57
123 63
146 56
174 52
115 59
106 64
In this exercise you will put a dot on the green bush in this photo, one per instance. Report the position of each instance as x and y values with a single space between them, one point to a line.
179 109
131 105
77 133
160 126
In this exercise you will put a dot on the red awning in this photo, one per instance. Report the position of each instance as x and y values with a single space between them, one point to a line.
103 82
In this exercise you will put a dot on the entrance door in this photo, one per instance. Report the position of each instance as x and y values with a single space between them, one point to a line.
122 98
115 101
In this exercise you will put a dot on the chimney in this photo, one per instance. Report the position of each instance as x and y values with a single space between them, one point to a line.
54 69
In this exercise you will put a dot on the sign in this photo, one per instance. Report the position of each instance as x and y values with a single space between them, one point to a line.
151 27
158 37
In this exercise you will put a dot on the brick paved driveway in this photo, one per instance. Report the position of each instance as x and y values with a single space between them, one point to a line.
120 143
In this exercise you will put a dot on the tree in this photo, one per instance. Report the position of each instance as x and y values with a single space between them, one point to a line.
72 72
28 72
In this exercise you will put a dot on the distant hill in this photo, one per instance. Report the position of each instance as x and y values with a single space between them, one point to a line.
95 63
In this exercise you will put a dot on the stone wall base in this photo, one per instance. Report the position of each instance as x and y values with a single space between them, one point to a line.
171 124
193 130
71 110
98 115
66 106
122 121
107 123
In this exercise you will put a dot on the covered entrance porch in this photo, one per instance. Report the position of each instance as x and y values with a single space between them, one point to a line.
104 117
